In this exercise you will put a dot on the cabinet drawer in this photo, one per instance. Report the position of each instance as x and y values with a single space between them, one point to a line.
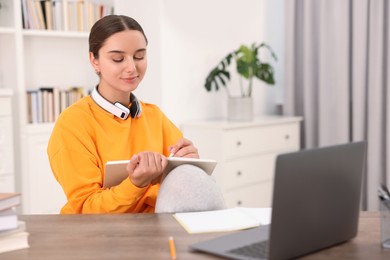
240 142
249 170
258 195
5 106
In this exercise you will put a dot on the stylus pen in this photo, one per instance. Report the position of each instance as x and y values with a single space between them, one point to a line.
172 248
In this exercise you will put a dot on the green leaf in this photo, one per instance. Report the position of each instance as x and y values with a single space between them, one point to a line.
264 45
215 78
248 65
219 76
265 73
243 68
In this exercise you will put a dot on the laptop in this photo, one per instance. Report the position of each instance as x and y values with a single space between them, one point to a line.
315 205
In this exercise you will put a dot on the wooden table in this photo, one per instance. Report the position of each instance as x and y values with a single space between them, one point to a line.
145 236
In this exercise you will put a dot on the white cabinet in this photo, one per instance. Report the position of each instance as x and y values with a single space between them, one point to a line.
41 191
246 153
7 178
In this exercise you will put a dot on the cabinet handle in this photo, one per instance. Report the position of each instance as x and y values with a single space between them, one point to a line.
287 137
239 173
239 202
238 143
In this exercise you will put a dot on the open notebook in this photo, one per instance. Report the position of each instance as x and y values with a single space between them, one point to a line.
223 220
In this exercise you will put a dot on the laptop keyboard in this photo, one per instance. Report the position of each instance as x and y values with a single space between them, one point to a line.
255 250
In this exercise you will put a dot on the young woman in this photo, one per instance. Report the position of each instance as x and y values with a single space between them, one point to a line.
112 124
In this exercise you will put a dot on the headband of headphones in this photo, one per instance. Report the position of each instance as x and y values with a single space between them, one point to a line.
117 109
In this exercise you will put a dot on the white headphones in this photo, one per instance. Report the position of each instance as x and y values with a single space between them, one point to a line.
117 109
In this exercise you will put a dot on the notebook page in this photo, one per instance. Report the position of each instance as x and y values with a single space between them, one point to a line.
221 220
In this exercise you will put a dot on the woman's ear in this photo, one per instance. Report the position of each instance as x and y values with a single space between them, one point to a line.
94 62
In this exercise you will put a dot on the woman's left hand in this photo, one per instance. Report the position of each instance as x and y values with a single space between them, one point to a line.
146 168
184 148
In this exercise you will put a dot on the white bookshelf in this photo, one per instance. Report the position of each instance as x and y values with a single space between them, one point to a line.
7 30
31 59
54 34
7 172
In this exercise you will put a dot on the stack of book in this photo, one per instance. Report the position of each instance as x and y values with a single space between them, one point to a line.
13 233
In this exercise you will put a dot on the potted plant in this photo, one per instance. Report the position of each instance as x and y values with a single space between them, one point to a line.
249 67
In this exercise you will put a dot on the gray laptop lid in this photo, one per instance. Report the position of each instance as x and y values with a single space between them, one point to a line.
316 204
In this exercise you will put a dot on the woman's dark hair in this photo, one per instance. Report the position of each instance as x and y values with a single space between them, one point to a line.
109 25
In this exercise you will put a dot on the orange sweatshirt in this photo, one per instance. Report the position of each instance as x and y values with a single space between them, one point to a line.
85 137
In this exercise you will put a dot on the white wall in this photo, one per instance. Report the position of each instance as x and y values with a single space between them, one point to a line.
188 38
147 13
274 36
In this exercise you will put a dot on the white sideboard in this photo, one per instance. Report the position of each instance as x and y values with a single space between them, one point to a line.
246 153
7 175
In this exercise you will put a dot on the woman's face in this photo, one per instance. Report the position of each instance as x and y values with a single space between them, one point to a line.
122 65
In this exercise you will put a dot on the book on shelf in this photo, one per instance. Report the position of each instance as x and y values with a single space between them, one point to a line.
80 15
45 104
25 16
29 107
49 7
71 15
66 15
14 239
40 108
58 15
31 16
9 200
40 13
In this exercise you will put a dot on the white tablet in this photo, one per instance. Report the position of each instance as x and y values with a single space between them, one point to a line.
115 171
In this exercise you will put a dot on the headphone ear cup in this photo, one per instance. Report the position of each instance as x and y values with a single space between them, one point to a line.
135 109
123 111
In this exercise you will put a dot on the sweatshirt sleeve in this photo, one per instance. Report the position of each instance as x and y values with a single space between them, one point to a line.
81 180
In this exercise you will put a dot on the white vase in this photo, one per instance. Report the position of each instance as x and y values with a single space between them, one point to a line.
240 109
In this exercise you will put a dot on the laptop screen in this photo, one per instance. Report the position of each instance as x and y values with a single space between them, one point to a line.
316 199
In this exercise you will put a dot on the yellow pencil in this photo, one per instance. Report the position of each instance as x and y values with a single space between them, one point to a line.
172 248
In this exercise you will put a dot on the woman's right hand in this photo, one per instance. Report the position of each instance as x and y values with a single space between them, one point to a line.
146 167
